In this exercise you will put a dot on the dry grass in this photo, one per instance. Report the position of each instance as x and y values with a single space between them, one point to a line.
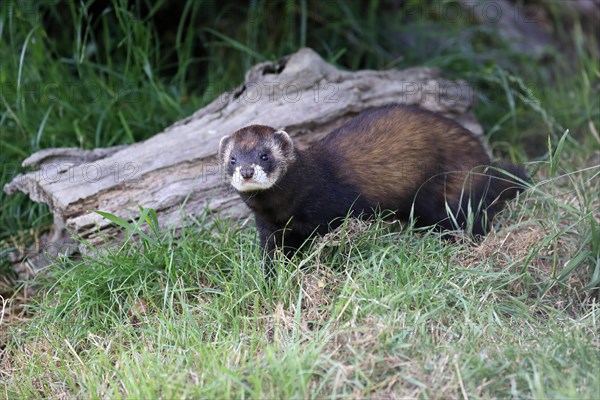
553 228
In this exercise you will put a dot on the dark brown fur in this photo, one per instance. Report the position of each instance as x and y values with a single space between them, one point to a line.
400 158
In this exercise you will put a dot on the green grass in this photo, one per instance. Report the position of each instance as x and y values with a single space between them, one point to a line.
368 311
372 311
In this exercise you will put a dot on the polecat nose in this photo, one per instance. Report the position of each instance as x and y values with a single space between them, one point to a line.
247 172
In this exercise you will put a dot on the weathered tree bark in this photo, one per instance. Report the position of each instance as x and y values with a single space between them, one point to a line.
176 170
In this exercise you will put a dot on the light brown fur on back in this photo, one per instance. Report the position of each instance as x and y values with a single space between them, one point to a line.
395 153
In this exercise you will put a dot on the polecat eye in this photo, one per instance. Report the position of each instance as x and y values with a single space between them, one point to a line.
232 161
264 157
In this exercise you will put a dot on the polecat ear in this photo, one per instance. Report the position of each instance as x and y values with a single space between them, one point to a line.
222 147
285 141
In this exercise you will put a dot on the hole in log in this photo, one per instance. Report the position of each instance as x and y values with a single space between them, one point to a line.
276 67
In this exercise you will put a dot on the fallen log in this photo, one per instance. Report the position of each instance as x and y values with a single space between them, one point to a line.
176 170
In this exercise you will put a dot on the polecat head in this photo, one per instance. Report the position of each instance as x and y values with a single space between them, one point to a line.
256 157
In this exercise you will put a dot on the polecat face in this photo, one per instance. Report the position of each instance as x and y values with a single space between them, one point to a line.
255 157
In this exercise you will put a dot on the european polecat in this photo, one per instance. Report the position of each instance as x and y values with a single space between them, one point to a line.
400 158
